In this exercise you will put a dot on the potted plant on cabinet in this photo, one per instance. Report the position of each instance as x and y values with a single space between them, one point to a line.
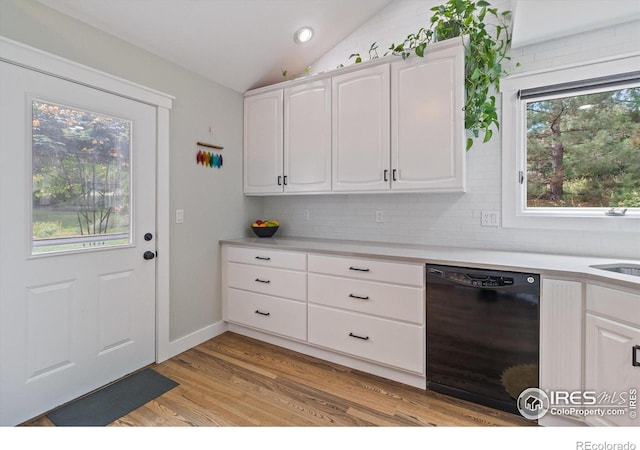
488 40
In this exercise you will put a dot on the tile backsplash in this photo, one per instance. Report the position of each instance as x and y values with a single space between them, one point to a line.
438 219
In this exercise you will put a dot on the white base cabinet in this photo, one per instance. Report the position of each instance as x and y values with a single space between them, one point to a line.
266 290
612 353
368 314
590 346
369 308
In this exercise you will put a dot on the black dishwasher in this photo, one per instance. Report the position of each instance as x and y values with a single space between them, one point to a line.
482 334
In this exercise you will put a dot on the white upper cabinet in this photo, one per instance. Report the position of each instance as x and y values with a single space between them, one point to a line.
263 140
377 127
307 137
427 122
361 130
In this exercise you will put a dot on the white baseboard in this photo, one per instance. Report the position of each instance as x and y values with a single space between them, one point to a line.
184 343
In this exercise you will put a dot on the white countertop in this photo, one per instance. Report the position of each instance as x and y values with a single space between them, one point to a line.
563 266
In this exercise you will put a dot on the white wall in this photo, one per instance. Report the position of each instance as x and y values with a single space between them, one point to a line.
452 219
212 199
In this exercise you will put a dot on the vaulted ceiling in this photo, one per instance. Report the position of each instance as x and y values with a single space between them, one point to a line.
243 44
240 44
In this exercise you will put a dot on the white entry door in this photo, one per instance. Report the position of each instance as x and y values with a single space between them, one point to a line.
77 240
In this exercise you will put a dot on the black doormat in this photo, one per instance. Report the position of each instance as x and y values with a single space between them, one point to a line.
114 401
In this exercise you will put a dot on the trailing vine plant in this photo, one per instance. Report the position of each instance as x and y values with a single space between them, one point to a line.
488 42
373 53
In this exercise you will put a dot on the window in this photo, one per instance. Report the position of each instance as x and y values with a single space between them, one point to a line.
571 148
81 178
583 151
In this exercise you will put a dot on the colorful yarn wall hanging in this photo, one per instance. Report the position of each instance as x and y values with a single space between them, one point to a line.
209 159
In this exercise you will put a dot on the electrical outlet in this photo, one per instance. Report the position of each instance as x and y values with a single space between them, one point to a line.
307 215
179 215
379 216
490 219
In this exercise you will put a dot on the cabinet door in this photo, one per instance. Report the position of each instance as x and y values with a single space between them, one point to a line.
611 349
561 331
427 122
263 143
360 119
307 137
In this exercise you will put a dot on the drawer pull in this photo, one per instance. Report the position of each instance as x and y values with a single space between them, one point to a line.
364 338
634 356
263 281
358 297
262 313
263 258
359 269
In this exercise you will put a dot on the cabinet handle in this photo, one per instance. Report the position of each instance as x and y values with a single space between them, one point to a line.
385 175
279 180
393 175
358 269
364 338
634 356
262 313
358 297
285 180
263 258
263 281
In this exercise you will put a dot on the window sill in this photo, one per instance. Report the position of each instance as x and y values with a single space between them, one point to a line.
583 221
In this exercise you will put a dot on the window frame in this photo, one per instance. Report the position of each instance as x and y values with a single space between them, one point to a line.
515 213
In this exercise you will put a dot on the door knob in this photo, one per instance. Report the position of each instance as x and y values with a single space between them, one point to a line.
149 255
148 236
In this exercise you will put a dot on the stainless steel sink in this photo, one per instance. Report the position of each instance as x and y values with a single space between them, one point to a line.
627 269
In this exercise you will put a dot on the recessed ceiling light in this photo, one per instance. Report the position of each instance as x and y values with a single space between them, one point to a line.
303 35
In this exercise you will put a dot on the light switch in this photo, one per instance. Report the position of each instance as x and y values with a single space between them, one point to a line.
179 215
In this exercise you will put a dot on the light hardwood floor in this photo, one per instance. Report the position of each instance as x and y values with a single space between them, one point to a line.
233 380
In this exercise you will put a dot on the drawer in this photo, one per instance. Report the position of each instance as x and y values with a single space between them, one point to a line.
265 280
615 303
268 258
384 341
369 269
276 315
386 300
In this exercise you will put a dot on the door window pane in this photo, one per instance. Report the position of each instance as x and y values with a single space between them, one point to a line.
81 173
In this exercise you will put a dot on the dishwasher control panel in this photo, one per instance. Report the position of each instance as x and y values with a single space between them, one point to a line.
469 280
475 279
